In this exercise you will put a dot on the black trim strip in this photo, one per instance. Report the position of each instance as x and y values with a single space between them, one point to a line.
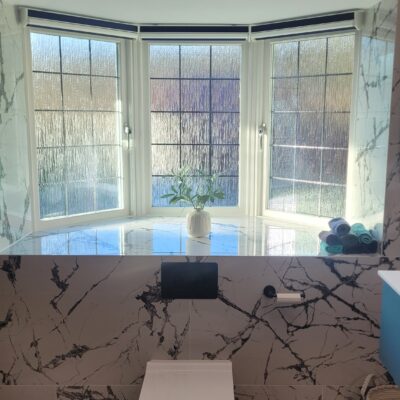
208 40
294 35
296 23
81 20
194 29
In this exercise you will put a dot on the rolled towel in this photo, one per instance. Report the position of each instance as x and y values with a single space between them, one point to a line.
370 248
338 249
348 241
357 249
330 238
364 236
339 226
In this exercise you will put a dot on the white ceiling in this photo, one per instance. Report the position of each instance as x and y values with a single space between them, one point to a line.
196 11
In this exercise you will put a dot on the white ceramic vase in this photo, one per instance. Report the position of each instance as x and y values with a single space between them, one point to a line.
198 223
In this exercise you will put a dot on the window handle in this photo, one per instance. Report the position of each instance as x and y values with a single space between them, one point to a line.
127 129
262 130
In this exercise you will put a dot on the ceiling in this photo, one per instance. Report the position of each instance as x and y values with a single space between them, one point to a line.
196 11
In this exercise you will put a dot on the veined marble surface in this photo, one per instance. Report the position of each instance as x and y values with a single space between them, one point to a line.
168 236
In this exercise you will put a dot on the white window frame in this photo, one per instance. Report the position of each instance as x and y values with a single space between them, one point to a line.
76 219
254 150
146 168
293 218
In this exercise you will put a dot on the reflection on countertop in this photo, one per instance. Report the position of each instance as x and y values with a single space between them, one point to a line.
252 236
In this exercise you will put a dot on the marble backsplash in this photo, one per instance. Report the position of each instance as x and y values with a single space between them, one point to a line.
14 155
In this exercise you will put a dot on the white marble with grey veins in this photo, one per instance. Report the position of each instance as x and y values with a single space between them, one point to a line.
14 168
252 236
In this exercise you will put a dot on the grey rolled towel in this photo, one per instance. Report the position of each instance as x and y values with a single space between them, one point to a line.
339 226
330 238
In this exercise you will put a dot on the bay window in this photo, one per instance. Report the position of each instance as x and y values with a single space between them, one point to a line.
194 94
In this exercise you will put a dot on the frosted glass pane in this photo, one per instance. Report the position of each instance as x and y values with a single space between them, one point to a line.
340 54
49 128
225 95
164 95
164 61
45 52
281 195
312 57
308 164
50 165
52 200
230 187
165 127
195 95
195 128
75 55
282 162
284 95
104 58
106 128
107 162
105 94
225 61
284 128
80 197
334 166
311 94
306 197
77 92
79 163
46 91
161 186
165 159
333 201
196 158
310 129
195 61
285 59
225 159
107 194
225 128
338 93
336 130
78 128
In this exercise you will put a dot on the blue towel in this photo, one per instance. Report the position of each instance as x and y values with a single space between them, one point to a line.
339 226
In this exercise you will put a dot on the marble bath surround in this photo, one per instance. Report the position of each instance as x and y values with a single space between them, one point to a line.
252 236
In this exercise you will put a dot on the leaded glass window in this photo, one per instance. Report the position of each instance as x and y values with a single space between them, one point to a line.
310 118
77 117
194 99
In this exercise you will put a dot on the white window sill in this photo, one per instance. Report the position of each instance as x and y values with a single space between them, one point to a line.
159 236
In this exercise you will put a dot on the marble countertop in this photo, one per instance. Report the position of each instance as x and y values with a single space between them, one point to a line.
249 236
392 278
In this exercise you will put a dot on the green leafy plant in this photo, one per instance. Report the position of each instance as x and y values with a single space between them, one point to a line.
185 189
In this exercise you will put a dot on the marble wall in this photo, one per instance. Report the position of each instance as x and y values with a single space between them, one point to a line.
369 144
14 168
83 328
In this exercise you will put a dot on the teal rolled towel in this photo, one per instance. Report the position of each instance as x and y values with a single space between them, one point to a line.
364 236
337 249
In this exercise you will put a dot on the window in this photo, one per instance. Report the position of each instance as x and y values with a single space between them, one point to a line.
195 104
195 93
310 120
77 120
